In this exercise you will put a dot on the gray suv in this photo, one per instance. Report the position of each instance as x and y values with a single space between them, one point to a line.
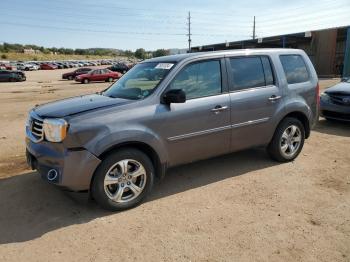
169 111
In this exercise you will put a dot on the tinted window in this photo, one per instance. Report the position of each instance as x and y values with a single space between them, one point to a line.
269 79
247 72
199 79
295 69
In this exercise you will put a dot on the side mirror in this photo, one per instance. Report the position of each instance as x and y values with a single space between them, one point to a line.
174 96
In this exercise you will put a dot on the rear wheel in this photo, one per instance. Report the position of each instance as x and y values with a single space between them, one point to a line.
70 77
85 81
123 180
287 141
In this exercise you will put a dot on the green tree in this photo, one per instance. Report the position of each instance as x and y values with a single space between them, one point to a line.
140 53
160 52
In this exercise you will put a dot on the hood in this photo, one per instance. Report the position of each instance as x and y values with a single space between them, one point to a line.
75 105
82 75
341 88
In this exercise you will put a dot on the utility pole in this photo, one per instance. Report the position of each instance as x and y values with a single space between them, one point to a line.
189 32
254 29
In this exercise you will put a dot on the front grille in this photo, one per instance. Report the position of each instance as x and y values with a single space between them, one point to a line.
36 128
340 99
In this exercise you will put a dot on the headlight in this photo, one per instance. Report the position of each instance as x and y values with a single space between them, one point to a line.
325 97
55 130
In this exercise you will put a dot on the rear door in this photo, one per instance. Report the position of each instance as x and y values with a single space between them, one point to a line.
103 75
255 99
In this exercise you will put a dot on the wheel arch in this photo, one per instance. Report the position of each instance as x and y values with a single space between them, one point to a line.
143 147
302 117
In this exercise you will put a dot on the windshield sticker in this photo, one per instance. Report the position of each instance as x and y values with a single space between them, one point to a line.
166 66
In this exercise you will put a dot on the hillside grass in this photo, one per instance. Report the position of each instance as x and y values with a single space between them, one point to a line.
51 57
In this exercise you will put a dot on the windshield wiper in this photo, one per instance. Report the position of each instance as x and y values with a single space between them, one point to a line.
123 97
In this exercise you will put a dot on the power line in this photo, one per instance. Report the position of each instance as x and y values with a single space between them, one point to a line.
90 30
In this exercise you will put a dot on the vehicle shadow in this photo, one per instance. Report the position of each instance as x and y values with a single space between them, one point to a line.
30 208
336 128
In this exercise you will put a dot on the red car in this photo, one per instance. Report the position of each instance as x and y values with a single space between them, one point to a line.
98 75
6 66
48 67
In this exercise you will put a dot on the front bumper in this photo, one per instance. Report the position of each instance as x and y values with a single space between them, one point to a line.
334 111
74 168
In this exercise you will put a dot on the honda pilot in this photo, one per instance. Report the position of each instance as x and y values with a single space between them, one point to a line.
170 111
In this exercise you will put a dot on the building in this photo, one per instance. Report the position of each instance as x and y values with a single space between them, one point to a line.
328 49
31 51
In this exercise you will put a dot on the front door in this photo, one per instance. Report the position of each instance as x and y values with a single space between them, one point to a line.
200 127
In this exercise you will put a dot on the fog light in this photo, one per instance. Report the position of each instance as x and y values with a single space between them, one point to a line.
52 175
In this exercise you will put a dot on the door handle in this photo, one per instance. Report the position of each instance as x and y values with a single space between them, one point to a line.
274 98
219 109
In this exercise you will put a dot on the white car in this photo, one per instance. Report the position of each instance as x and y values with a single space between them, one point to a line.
26 67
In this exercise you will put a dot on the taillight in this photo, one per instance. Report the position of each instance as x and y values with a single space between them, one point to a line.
318 94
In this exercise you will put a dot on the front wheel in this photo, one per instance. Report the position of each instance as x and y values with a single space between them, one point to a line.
123 180
287 141
110 79
85 81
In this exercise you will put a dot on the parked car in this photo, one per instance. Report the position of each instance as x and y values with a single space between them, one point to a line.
48 67
98 75
115 143
335 101
119 67
12 76
26 66
6 66
75 73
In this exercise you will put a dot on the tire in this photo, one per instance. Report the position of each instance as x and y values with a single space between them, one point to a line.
85 81
123 182
288 140
70 77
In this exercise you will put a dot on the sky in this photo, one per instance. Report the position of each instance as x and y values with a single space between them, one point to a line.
155 24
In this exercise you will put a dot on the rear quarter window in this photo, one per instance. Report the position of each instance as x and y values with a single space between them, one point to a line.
294 68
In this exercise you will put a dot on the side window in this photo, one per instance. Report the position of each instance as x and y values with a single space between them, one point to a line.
199 79
295 69
267 70
247 72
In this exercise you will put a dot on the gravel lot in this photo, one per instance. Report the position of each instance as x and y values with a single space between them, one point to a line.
239 207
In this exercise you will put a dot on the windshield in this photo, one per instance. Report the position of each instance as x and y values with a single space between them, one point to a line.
140 81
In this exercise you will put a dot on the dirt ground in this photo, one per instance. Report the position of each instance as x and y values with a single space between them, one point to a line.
239 207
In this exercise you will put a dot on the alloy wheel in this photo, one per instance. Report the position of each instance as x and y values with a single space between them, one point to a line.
125 181
290 141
